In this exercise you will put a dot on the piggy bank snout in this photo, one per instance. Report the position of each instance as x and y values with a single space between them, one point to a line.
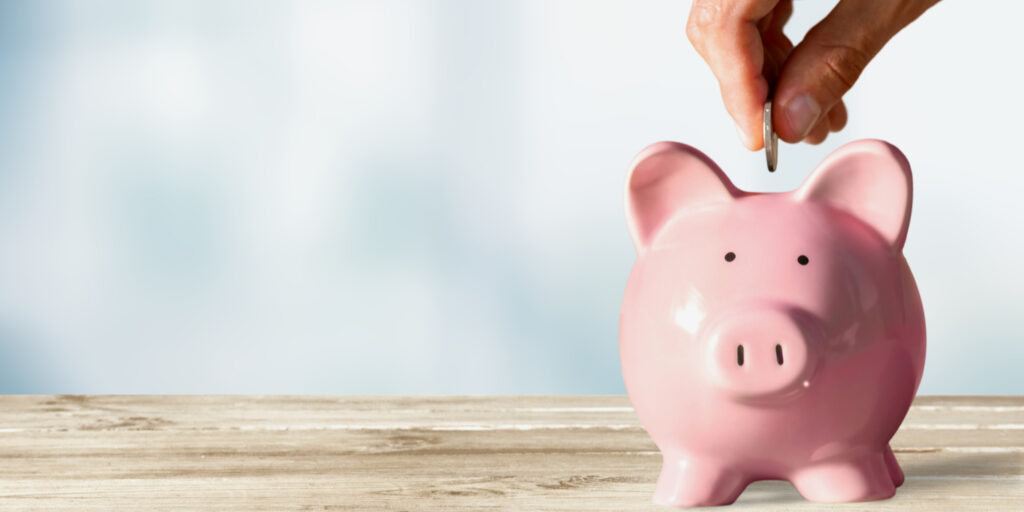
761 352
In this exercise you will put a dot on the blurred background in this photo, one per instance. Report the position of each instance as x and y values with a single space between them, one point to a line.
425 196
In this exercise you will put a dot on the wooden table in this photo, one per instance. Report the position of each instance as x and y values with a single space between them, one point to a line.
233 453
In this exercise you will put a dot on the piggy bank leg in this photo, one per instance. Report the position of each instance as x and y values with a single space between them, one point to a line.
693 482
894 467
864 479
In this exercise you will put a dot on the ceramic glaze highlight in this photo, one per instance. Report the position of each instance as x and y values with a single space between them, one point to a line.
771 336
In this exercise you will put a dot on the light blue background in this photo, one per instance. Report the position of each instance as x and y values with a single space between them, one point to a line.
426 196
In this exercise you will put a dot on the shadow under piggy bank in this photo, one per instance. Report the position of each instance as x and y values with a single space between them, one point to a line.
929 472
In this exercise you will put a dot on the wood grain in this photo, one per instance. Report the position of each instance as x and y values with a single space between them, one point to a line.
236 453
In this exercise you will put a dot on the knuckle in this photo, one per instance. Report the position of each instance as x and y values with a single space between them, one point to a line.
844 63
705 15
693 33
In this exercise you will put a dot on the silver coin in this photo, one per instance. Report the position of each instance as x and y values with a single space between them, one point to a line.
771 139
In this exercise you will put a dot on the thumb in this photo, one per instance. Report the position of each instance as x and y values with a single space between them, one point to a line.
827 62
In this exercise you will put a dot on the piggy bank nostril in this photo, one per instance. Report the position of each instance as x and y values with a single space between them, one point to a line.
739 355
778 353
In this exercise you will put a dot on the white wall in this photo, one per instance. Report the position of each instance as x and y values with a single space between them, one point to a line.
426 196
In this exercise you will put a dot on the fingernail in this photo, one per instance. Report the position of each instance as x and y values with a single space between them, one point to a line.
743 136
802 113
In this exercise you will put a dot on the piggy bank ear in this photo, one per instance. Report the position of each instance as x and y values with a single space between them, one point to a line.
666 179
869 179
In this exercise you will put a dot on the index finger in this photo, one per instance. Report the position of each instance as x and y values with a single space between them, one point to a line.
726 35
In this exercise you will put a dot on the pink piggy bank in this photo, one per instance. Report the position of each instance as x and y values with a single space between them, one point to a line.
771 336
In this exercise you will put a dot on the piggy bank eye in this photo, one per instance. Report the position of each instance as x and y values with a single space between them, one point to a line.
803 260
729 256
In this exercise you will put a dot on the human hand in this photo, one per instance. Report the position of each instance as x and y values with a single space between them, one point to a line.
743 43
